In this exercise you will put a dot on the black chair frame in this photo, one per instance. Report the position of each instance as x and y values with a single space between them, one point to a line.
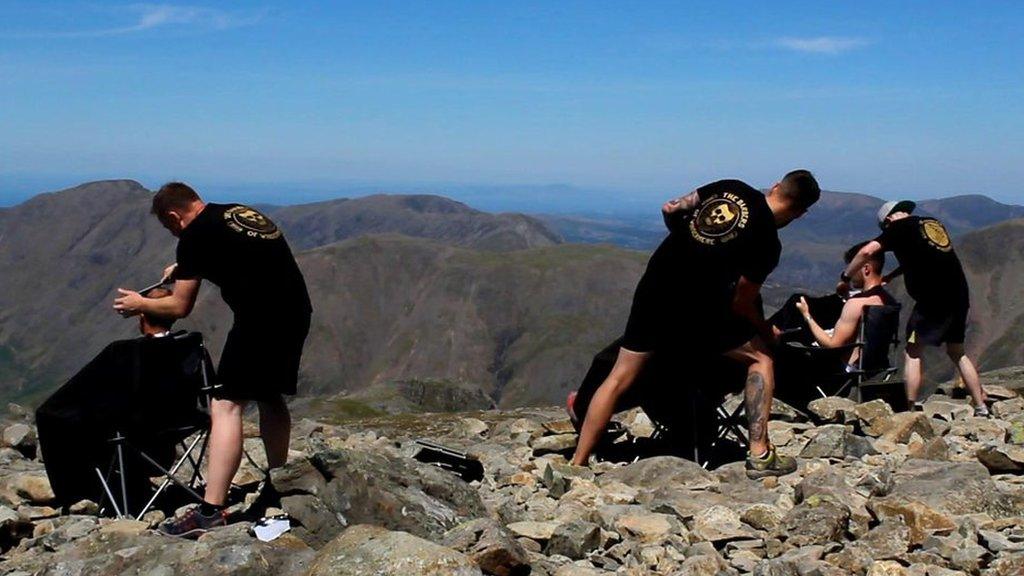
199 434
877 340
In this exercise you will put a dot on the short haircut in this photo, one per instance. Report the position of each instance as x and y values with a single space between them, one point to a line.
173 196
159 321
800 187
878 257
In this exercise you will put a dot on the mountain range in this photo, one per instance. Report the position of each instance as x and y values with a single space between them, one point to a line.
422 294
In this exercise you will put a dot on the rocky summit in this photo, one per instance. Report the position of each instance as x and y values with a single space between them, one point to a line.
877 493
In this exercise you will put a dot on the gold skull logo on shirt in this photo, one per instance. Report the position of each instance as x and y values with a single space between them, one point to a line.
251 222
718 219
935 233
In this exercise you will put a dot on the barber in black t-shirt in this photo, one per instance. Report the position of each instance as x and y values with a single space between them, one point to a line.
701 294
935 280
244 253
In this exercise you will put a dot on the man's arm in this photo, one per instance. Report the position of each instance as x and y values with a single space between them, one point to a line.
674 210
862 256
177 305
744 304
845 329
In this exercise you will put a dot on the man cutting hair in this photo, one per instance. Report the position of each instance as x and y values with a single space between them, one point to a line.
245 254
936 281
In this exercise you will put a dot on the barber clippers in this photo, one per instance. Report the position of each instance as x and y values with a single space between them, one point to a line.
148 289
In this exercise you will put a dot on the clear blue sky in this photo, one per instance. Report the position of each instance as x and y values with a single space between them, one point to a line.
921 99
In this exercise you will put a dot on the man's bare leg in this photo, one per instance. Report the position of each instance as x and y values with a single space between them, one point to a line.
955 351
912 371
602 406
758 392
275 430
225 450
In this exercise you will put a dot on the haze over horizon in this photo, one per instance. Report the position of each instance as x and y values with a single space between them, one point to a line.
612 103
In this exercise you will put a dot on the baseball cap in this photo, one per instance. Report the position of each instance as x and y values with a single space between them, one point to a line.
894 206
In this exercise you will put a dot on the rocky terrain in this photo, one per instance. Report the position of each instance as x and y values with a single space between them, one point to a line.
927 494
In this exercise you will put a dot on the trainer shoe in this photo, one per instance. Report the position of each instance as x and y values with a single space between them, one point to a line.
569 401
192 524
773 464
982 412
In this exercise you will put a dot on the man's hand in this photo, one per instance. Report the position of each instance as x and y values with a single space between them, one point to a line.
804 309
129 303
169 272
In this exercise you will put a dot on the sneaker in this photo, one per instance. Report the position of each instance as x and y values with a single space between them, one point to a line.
773 464
192 524
569 401
982 412
917 407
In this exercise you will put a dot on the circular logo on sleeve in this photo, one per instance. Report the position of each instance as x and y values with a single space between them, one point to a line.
935 233
719 219
251 222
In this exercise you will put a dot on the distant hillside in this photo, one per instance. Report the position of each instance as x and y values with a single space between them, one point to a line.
421 216
64 253
994 260
520 325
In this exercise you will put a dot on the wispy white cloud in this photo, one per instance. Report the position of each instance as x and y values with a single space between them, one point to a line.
144 17
821 44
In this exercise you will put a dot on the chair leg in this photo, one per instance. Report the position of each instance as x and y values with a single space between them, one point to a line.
197 473
695 434
736 422
110 495
169 474
123 473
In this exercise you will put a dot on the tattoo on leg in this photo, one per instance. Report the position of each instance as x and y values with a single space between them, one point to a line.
757 414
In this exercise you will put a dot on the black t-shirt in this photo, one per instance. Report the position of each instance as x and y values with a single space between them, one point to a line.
245 254
732 233
931 269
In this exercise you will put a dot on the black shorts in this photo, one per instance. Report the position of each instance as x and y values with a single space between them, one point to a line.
261 358
935 325
667 318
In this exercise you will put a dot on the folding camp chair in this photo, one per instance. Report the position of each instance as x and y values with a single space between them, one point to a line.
714 427
872 375
172 396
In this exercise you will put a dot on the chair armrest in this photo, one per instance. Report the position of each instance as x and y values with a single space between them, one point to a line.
823 350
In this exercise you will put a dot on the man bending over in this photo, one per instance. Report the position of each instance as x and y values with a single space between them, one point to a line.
244 253
700 295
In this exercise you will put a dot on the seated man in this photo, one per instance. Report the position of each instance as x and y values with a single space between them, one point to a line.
869 281
801 320
76 422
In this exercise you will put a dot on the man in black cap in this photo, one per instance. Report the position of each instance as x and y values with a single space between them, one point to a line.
936 281
245 254
700 295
